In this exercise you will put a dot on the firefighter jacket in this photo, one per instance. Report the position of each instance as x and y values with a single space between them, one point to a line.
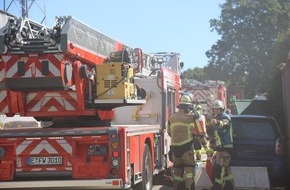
181 127
223 134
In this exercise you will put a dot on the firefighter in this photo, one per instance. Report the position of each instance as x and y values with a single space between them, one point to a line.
200 136
181 131
210 134
223 144
232 104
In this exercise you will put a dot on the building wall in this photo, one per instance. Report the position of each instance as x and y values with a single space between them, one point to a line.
286 104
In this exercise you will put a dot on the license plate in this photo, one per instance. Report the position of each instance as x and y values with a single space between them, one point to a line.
45 160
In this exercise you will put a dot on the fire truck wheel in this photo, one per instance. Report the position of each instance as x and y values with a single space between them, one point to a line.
147 177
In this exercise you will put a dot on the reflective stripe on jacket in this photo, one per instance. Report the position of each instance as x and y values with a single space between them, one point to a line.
223 133
181 128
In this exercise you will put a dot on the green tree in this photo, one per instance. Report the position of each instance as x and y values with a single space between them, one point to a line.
248 30
195 73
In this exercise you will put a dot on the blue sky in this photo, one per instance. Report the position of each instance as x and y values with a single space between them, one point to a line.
153 25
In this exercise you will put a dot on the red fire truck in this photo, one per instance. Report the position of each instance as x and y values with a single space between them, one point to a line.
206 92
102 107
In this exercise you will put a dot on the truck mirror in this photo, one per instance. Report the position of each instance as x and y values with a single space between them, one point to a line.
181 65
141 93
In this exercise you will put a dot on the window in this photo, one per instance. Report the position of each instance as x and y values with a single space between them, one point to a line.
253 129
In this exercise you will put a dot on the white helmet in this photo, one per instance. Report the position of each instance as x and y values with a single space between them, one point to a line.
218 104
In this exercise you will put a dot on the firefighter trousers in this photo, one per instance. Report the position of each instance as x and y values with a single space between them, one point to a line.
183 171
200 142
222 174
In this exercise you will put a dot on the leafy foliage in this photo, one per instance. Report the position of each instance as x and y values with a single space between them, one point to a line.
195 73
249 30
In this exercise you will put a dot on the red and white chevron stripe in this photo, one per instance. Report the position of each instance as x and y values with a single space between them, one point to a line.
207 95
2 72
33 65
51 101
3 102
3 92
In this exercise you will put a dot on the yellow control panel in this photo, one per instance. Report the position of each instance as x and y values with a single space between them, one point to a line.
115 81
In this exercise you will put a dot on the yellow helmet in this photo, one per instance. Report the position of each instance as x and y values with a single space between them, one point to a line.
186 99
198 106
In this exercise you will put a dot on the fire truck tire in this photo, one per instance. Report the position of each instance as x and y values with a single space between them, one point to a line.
147 175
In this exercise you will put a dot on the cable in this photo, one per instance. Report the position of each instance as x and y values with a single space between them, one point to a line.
115 85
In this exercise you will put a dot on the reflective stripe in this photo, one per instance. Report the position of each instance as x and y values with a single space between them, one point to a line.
197 124
225 146
229 177
221 180
189 133
177 178
172 125
198 151
182 142
231 135
218 142
189 175
223 123
209 150
217 138
228 146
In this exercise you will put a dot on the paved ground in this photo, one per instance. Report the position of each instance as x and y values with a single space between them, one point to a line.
161 185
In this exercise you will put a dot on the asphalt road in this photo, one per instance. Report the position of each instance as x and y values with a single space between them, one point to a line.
160 184
160 187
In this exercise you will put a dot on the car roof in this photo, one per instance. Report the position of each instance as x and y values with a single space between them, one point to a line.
251 116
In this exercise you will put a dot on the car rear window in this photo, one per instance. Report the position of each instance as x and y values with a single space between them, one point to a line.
254 129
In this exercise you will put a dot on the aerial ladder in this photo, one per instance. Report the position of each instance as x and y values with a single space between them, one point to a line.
51 72
103 107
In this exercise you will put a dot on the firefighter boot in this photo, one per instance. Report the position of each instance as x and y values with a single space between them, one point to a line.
229 185
181 186
217 183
